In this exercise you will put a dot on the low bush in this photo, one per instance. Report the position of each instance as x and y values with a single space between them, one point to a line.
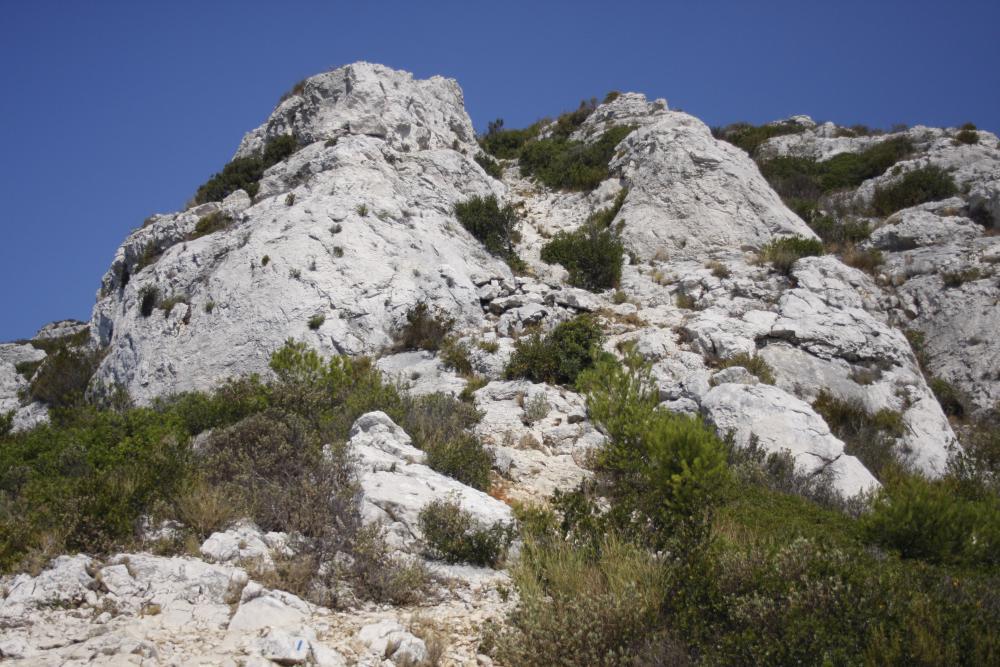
62 378
915 187
591 254
924 519
784 252
967 134
952 400
754 364
867 260
958 278
245 172
455 355
316 321
564 164
6 422
490 166
869 436
452 534
440 425
493 226
211 223
424 330
750 137
149 298
839 232
506 144
560 356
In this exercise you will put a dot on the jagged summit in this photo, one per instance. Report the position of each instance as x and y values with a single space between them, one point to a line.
372 100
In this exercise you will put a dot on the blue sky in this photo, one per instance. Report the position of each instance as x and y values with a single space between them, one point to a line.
112 111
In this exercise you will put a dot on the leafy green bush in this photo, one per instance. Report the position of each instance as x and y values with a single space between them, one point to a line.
6 422
211 223
754 364
439 425
85 481
959 278
490 166
493 226
423 330
750 137
63 376
869 436
916 187
452 534
564 164
580 610
591 254
924 519
506 144
952 400
784 252
967 134
560 356
245 172
316 321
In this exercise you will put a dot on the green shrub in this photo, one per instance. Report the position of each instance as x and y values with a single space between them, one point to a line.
958 278
577 610
869 436
560 356
245 172
564 164
506 144
952 400
784 252
916 187
439 425
924 519
750 137
167 305
452 534
316 321
6 422
211 223
867 260
86 480
967 134
490 166
591 254
455 355
754 364
423 330
26 369
493 226
63 377
839 232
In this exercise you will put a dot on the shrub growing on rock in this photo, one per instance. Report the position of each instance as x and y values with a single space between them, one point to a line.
424 330
490 166
211 223
452 534
439 424
244 173
784 252
916 187
493 226
751 137
869 436
560 356
591 254
564 164
63 376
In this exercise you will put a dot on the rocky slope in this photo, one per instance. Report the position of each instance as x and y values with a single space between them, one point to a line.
354 229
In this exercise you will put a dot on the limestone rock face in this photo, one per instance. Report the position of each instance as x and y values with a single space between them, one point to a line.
353 234
690 194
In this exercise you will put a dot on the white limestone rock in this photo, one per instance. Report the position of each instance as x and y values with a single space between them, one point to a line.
780 422
245 543
396 485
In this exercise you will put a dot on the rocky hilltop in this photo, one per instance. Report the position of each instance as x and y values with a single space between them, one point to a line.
351 234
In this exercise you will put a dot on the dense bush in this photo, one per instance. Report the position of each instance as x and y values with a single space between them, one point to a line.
452 534
559 356
564 164
63 376
493 226
784 252
807 179
926 520
506 144
869 436
967 134
591 254
755 364
952 400
244 173
915 187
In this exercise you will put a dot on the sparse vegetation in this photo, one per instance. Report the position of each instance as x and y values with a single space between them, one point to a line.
244 173
871 436
423 330
915 187
316 321
149 297
751 137
490 166
755 364
784 252
211 223
440 425
960 277
967 134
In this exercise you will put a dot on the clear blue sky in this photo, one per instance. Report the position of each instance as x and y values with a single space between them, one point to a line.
112 111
